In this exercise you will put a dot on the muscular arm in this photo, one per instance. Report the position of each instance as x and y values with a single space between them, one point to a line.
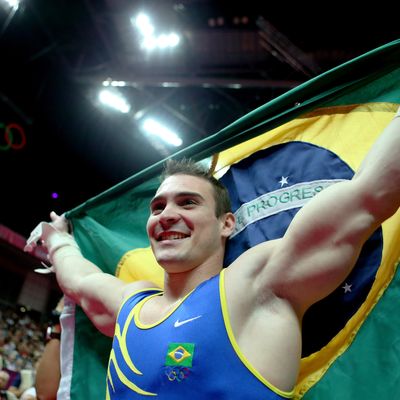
98 293
325 238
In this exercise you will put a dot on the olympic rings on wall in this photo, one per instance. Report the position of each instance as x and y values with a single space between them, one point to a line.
10 131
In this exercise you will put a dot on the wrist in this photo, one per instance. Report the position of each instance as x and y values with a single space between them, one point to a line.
53 330
58 241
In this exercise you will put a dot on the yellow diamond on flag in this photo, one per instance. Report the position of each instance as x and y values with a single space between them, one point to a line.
180 354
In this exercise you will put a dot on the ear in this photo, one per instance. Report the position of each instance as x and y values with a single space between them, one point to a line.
228 221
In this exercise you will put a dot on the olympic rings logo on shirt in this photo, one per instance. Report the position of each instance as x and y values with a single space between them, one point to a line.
11 131
177 374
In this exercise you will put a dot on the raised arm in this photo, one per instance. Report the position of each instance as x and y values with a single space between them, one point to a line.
98 293
325 238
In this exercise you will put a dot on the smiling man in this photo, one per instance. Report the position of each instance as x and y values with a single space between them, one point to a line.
233 333
185 228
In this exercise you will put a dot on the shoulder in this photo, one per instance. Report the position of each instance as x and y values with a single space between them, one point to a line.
138 286
254 260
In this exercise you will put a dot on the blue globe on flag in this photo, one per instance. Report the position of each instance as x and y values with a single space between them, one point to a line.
267 189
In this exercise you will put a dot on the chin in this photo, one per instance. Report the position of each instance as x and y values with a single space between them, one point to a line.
172 265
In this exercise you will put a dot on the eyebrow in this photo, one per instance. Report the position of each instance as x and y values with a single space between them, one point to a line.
179 194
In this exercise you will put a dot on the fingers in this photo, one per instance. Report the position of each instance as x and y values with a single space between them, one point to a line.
40 233
35 235
59 220
54 216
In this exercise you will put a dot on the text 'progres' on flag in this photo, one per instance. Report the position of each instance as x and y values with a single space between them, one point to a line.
279 200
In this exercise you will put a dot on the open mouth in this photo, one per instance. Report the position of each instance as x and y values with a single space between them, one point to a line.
171 236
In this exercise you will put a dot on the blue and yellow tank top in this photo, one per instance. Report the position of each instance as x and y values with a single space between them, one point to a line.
190 354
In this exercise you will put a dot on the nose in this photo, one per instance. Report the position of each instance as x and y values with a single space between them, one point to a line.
168 216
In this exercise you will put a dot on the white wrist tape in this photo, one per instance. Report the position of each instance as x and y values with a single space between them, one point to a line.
58 241
46 270
50 237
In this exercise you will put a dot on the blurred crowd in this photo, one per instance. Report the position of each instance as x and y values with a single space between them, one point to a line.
21 346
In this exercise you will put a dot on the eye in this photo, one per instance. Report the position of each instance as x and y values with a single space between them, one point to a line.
188 202
156 208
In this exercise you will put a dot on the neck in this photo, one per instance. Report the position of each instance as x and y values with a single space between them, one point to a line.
179 284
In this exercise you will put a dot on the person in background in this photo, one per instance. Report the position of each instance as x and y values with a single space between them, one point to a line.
21 344
29 394
4 393
48 372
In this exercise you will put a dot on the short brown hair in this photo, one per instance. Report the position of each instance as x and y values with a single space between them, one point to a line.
189 167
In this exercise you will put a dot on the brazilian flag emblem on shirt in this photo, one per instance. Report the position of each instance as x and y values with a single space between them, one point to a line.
180 354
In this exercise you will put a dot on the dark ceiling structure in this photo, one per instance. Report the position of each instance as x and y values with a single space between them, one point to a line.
55 137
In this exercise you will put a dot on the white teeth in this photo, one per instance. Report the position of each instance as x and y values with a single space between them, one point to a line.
171 236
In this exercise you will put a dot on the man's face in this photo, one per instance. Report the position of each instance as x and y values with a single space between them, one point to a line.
183 229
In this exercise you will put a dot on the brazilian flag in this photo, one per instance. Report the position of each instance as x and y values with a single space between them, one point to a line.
273 160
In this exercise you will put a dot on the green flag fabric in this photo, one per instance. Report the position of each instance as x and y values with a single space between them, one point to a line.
331 119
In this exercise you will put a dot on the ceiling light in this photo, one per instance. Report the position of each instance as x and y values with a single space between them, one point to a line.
173 39
149 40
153 127
14 4
114 100
118 83
149 43
143 24
162 41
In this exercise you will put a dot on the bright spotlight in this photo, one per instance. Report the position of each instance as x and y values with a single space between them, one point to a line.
155 128
173 39
143 24
14 4
118 83
114 100
162 41
149 43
